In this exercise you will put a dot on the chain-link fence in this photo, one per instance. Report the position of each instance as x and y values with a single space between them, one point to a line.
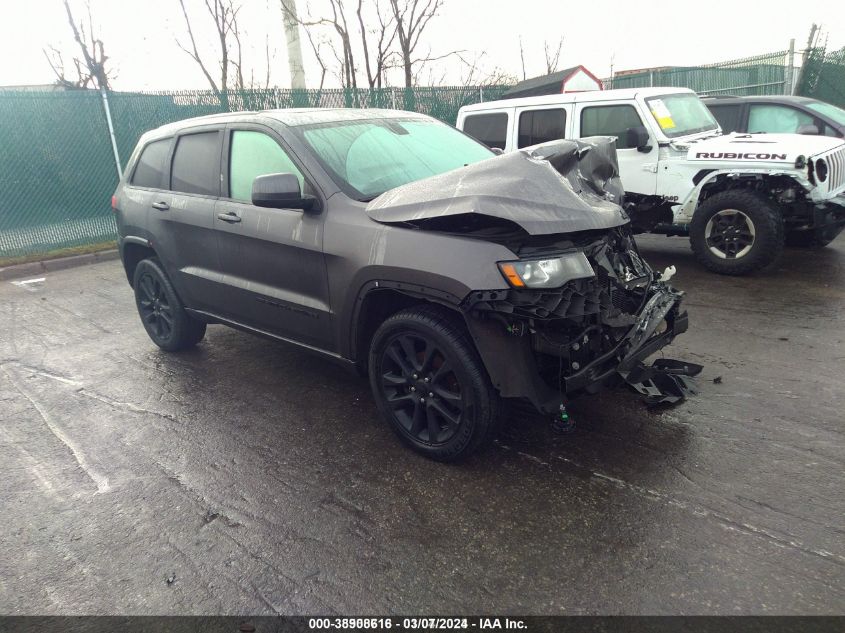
57 167
823 76
760 75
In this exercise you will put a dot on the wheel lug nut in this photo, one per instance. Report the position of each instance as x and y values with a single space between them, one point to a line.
415 377
413 388
422 399
427 378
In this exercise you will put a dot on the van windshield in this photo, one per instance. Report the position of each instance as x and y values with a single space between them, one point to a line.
681 114
367 158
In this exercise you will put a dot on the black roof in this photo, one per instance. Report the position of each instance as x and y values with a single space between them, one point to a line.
543 85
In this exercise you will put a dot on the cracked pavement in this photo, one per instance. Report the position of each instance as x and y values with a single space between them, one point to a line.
249 477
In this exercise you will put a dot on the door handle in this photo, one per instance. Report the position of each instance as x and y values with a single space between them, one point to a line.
231 217
161 206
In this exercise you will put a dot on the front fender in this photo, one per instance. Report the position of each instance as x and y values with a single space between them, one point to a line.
684 211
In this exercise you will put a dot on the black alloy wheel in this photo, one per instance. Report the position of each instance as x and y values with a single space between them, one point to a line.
422 389
153 306
430 384
162 313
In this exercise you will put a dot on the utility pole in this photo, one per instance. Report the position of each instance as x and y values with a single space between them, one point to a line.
291 20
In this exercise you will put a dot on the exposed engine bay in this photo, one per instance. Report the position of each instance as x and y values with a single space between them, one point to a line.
589 332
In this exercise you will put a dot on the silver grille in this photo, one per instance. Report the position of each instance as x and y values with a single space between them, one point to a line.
835 171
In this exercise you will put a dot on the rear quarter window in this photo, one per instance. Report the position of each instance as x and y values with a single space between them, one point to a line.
727 116
149 171
540 126
196 164
491 129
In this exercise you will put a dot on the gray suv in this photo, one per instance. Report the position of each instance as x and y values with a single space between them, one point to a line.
397 245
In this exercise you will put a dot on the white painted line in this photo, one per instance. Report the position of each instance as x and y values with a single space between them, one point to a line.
29 281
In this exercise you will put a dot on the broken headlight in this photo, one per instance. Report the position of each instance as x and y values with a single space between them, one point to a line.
550 272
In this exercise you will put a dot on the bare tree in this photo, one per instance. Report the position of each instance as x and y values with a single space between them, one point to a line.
552 57
412 17
475 75
317 48
385 34
225 16
91 69
339 24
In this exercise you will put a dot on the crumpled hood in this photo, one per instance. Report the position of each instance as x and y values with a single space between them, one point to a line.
555 187
777 148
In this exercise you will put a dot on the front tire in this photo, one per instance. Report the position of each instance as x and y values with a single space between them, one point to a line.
736 232
161 311
430 384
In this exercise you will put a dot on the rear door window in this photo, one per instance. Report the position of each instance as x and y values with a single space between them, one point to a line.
149 172
491 129
196 164
256 154
727 115
540 126
776 119
610 120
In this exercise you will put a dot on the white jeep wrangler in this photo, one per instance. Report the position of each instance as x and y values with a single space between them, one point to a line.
738 197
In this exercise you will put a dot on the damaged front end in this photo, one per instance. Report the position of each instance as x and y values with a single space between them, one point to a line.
583 309
551 344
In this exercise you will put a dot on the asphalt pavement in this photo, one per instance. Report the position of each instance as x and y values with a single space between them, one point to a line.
249 477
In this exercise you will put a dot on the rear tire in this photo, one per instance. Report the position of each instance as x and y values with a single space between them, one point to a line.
162 312
430 384
736 232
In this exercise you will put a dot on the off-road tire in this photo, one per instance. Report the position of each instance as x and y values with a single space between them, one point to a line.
768 237
478 420
183 331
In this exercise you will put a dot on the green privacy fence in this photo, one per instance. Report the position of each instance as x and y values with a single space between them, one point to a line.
57 167
759 75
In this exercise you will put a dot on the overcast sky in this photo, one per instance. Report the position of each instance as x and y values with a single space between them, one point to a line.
139 36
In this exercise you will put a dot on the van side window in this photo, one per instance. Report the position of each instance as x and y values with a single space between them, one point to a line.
150 168
610 120
491 129
540 126
196 164
255 154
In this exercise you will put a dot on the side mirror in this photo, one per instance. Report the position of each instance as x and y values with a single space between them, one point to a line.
638 137
808 128
280 191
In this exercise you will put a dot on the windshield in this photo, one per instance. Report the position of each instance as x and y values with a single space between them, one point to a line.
369 157
829 110
681 114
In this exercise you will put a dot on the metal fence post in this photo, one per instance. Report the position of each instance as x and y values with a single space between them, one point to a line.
481 94
111 131
789 88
